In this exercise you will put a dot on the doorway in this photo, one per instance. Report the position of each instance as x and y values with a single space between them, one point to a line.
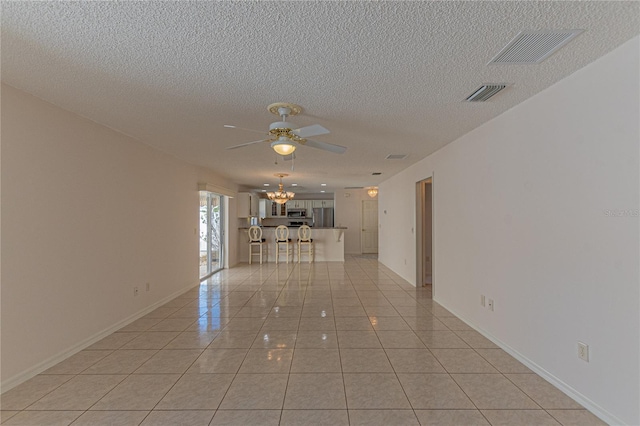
369 235
424 234
211 233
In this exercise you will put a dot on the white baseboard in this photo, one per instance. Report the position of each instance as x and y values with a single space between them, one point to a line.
61 356
587 403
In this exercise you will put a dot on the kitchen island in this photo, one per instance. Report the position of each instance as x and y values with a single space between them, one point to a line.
328 244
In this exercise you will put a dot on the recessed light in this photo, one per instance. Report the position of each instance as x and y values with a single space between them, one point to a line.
294 184
323 184
265 184
264 190
322 191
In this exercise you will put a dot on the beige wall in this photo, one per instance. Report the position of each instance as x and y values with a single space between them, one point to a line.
87 214
348 212
538 210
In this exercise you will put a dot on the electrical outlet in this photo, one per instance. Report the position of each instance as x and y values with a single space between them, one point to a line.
583 351
148 286
482 300
491 304
135 291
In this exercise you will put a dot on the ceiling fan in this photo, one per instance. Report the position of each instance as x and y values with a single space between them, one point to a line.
283 135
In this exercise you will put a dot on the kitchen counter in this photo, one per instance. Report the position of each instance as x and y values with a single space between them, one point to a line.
328 244
293 226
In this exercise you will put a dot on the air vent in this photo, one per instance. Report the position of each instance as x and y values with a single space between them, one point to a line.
353 187
533 47
485 92
396 157
376 173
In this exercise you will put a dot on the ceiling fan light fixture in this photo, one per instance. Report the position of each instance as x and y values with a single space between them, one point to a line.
283 147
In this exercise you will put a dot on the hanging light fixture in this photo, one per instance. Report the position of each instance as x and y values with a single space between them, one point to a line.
281 196
373 191
283 146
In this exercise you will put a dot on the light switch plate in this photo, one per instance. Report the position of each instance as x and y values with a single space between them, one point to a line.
583 351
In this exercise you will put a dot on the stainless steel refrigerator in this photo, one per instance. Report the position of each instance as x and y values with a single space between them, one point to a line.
323 217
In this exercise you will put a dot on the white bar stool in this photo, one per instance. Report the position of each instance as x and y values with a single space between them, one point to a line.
283 240
304 239
255 240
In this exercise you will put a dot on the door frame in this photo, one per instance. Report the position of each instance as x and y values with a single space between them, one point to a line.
421 212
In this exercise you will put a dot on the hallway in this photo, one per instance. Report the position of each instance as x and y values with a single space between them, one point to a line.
311 344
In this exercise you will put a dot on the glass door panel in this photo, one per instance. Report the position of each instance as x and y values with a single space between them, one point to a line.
216 246
211 233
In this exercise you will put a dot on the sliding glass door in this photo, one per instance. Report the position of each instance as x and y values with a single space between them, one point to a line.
211 233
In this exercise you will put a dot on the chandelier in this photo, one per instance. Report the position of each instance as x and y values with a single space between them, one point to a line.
280 196
373 191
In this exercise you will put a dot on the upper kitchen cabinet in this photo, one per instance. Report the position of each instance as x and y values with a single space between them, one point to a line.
296 204
247 204
265 208
268 208
322 203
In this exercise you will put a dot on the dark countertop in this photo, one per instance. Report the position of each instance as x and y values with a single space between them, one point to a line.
312 227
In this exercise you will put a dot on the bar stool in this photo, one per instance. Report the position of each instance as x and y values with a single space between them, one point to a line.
304 239
255 240
283 240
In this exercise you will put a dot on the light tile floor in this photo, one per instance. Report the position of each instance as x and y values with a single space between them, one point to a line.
311 344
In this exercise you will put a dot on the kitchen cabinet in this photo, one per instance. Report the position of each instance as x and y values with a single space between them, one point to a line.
278 210
247 204
269 208
308 206
322 203
265 208
255 205
297 204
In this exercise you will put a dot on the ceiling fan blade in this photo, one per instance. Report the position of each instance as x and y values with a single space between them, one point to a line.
309 131
325 146
229 126
246 144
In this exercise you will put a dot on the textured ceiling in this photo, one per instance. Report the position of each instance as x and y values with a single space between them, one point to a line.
384 77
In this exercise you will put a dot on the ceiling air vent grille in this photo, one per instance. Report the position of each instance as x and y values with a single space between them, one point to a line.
396 157
485 92
533 47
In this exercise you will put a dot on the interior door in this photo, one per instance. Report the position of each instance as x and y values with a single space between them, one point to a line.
424 233
427 236
369 238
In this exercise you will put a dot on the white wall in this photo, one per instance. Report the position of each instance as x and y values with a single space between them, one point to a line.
348 212
521 216
87 214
